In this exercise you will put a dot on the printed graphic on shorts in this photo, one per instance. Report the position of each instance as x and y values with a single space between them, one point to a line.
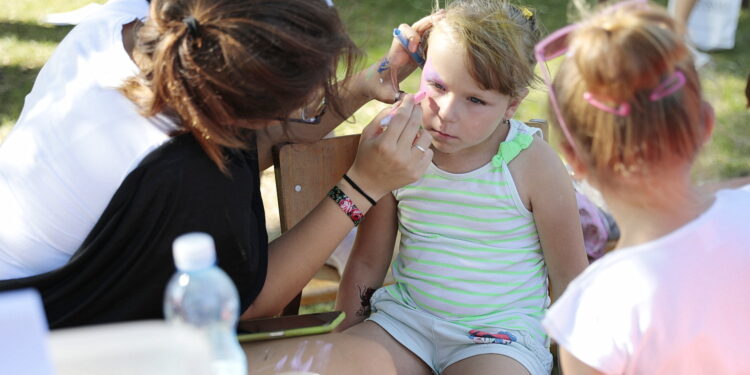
501 337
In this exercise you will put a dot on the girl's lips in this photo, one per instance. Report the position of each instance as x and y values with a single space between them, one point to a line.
437 133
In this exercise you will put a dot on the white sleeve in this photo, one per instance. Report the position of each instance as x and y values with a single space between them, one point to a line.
589 321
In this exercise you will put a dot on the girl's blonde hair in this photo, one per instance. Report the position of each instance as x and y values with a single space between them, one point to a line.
499 39
621 57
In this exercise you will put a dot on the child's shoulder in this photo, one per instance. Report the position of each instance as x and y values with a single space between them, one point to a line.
537 169
536 160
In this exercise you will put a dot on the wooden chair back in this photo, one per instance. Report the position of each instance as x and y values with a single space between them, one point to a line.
305 173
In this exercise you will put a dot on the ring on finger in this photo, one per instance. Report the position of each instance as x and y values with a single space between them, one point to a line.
420 148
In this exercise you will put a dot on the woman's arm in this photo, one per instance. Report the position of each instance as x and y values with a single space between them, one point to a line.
368 262
355 93
555 210
385 161
370 83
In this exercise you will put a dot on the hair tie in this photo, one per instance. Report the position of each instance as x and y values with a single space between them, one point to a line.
668 86
192 25
527 13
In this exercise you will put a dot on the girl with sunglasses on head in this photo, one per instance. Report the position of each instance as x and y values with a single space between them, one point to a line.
481 231
672 298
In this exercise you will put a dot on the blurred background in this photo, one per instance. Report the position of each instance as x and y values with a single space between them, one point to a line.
26 43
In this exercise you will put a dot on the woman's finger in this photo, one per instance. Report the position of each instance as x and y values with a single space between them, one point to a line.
379 123
423 141
408 34
427 22
414 122
410 42
394 81
389 123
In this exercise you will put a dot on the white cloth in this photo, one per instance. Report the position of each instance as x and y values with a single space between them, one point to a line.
74 143
23 338
712 24
676 305
73 17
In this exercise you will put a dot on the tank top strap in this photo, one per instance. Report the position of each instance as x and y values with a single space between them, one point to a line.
519 138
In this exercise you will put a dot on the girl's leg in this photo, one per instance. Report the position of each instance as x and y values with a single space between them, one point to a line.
407 363
487 364
334 353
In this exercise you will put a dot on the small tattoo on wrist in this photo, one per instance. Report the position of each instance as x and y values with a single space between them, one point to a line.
365 294
384 65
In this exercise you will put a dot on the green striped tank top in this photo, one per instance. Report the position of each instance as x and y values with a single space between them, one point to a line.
469 250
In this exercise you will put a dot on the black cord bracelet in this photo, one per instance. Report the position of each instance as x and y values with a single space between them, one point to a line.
359 190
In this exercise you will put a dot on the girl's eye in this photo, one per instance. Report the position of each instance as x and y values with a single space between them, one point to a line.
437 86
476 100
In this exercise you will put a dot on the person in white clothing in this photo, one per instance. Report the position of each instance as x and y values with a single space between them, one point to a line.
671 298
140 129
68 153
488 232
78 137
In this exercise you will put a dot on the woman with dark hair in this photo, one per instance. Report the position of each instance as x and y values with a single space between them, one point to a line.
138 131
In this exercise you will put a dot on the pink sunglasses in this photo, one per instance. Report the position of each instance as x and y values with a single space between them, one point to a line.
556 44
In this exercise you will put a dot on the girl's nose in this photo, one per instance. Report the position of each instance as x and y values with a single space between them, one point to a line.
446 107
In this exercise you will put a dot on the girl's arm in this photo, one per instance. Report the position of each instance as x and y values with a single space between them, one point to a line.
368 262
553 203
370 83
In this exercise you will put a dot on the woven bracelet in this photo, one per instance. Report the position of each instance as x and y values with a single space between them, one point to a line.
346 204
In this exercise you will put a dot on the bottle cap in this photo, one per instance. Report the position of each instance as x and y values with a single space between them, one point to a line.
194 251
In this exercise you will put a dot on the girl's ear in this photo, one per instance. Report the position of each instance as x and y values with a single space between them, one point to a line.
709 120
576 164
515 102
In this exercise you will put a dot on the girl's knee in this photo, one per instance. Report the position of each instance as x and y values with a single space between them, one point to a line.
363 356
325 354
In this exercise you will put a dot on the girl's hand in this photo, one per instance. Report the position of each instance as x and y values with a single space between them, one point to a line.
395 154
398 63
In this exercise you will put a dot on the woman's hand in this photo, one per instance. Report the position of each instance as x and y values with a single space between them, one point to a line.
393 151
383 77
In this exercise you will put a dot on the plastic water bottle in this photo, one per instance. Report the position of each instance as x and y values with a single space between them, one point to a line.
200 294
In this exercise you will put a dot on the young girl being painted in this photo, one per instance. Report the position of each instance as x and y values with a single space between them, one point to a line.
492 219
673 297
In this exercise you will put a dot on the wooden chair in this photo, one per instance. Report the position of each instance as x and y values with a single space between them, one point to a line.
304 174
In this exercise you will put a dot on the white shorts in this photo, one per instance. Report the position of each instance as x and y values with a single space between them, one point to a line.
440 343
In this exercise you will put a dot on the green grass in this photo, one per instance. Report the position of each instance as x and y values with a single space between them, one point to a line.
25 43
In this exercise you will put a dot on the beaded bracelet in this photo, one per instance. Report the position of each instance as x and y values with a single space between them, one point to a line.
346 204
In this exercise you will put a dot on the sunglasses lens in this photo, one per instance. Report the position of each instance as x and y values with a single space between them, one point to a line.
556 44
556 47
